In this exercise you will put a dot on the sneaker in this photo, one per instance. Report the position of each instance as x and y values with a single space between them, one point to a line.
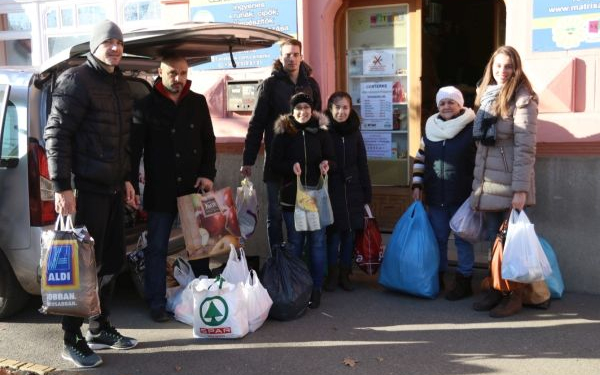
109 338
80 353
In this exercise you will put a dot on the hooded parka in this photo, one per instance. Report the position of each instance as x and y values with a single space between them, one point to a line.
307 144
508 165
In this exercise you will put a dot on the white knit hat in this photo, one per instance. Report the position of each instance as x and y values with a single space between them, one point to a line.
450 92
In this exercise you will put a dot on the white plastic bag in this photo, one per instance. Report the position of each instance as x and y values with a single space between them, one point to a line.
181 301
220 310
259 301
236 270
246 204
523 259
182 271
468 224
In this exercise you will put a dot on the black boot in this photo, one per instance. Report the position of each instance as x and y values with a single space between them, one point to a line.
441 281
332 279
491 299
344 280
462 288
315 299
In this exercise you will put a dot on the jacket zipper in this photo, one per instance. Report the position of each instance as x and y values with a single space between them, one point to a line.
504 159
345 185
443 172
305 158
116 98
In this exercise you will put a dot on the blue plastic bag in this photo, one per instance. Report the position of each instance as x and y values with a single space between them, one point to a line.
555 281
411 259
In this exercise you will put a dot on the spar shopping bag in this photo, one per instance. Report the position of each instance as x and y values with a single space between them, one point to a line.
209 223
411 259
220 309
68 266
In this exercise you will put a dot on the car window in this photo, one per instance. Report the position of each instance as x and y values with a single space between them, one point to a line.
10 133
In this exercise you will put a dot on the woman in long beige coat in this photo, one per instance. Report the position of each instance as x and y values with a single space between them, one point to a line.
505 133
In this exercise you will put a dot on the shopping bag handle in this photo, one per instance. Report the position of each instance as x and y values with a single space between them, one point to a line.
63 223
368 211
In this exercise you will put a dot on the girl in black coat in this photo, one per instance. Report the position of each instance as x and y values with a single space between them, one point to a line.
349 188
302 147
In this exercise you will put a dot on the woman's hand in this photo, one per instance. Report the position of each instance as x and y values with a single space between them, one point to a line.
519 199
324 167
416 194
297 169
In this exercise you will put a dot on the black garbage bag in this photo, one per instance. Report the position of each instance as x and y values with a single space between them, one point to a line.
288 282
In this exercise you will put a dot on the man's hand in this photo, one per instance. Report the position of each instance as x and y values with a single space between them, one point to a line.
64 202
204 184
246 170
130 197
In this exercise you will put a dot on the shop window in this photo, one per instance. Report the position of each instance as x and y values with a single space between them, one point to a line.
52 19
66 17
59 43
15 49
377 53
90 14
142 11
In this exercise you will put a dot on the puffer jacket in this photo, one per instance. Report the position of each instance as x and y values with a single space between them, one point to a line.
349 183
178 144
273 100
307 144
508 166
88 129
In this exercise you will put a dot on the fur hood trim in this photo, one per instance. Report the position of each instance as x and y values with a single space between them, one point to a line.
285 123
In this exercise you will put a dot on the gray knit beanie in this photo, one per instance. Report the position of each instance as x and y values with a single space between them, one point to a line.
102 31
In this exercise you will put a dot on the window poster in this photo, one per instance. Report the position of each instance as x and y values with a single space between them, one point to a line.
376 108
378 144
560 25
277 15
378 62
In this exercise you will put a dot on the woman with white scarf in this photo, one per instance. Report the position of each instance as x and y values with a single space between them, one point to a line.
505 132
443 170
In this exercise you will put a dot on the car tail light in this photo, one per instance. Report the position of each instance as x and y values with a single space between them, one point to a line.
41 193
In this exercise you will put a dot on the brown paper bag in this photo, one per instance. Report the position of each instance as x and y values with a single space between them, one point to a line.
209 223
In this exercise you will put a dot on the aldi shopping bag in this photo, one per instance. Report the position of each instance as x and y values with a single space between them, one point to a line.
369 245
246 204
220 309
411 259
209 223
68 266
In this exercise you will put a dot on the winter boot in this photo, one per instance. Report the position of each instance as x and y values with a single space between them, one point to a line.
344 280
332 279
315 298
441 281
462 288
491 298
510 305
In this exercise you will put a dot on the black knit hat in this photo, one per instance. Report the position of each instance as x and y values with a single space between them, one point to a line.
104 30
300 98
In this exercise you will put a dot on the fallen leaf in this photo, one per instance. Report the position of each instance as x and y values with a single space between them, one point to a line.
351 362
178 368
379 359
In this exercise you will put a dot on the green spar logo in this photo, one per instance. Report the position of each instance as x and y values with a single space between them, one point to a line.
213 311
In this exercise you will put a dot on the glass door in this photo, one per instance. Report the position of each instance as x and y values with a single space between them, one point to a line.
377 61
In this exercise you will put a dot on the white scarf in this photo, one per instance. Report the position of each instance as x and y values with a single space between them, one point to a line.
436 129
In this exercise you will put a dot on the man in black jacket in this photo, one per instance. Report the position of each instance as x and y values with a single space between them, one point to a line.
290 75
173 129
87 134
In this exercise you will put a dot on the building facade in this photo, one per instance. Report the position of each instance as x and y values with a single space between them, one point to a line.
392 57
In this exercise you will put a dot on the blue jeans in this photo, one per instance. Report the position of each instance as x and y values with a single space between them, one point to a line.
493 220
316 248
155 258
440 221
274 221
340 245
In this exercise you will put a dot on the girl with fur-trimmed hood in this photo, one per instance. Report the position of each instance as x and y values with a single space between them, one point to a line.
302 147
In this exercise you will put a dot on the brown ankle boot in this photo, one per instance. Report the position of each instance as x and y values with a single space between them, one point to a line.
490 299
462 288
344 279
510 305
332 279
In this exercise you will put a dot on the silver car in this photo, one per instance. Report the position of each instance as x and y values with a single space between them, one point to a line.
26 195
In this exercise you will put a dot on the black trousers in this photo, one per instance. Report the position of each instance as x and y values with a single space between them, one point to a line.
102 214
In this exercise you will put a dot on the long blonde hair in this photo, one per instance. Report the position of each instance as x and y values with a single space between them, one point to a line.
515 82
